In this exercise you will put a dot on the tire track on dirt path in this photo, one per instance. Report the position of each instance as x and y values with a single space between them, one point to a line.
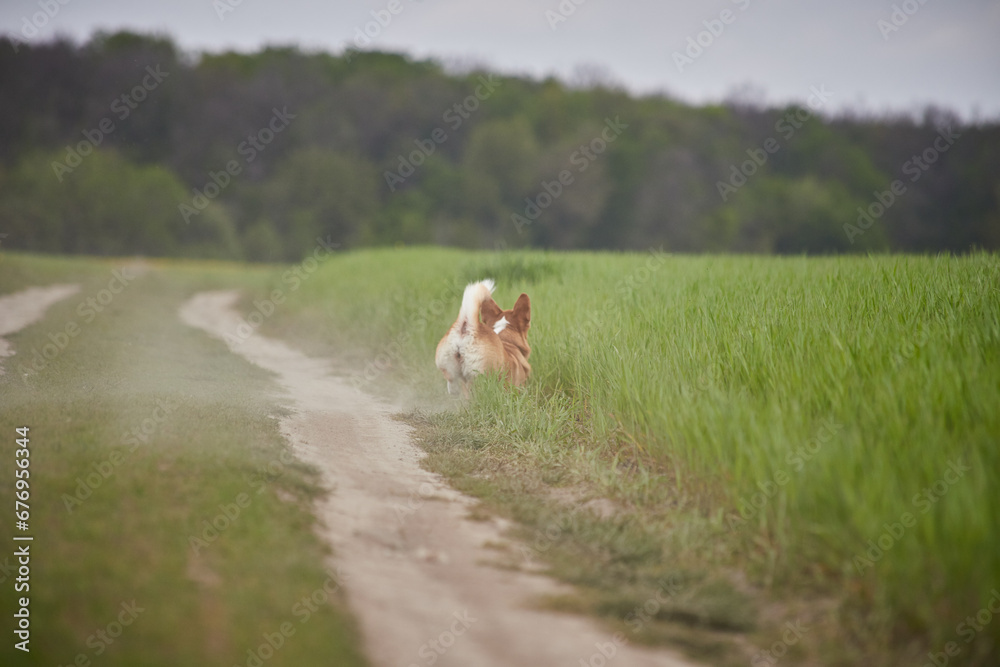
416 581
26 307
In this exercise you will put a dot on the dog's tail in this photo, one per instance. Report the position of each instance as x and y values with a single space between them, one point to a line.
472 301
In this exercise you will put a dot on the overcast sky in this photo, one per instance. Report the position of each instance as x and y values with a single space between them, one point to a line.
873 55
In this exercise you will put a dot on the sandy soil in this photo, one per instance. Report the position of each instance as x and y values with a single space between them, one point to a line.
20 309
414 566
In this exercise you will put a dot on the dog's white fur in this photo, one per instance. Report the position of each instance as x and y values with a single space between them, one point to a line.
485 338
459 356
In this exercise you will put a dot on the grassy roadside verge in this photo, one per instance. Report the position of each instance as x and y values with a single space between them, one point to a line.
169 528
788 441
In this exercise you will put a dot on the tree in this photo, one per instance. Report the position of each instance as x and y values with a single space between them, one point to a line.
107 206
804 215
316 192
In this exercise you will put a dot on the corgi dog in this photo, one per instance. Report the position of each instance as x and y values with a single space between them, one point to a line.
485 338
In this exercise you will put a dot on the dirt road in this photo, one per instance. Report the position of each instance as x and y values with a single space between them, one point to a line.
20 309
415 568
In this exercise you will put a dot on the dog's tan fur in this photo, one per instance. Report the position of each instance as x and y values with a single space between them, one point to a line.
485 338
514 336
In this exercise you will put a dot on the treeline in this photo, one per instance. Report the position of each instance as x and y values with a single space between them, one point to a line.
125 145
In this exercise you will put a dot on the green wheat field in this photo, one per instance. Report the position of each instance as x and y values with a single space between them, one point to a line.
829 425
811 440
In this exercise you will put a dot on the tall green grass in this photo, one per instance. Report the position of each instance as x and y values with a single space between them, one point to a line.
809 404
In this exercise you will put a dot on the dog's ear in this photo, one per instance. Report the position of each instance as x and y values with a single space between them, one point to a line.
490 312
522 311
